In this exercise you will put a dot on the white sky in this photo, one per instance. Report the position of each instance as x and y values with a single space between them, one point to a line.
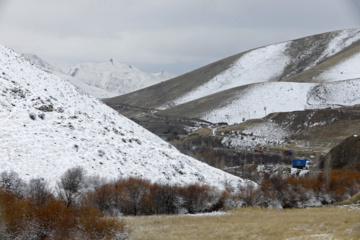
154 35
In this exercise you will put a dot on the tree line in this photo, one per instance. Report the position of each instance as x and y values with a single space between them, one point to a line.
78 206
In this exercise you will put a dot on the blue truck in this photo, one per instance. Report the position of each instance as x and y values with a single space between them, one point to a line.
301 163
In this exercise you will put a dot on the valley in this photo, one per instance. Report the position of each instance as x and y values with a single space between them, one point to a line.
300 96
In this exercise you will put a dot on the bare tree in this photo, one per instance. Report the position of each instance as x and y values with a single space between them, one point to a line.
39 191
70 185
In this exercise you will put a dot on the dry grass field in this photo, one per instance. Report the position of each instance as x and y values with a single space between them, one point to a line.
252 223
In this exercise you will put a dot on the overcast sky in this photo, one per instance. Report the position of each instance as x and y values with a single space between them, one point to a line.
154 35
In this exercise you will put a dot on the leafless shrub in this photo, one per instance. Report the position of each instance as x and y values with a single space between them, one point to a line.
12 182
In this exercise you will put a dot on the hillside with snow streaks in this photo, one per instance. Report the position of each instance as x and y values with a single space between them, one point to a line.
47 126
340 41
346 69
270 63
259 65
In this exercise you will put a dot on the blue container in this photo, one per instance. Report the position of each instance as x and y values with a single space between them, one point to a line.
301 163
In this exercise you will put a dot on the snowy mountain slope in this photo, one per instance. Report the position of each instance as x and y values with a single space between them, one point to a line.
269 61
102 80
345 69
91 90
35 60
279 62
48 126
258 100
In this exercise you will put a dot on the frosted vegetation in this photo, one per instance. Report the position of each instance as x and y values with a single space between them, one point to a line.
75 209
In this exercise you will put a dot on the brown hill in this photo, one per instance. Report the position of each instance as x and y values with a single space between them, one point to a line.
345 154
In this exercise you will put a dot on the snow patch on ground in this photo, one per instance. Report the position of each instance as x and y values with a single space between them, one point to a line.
207 214
313 236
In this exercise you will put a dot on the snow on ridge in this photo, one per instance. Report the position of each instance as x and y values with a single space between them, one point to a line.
47 126
344 39
339 41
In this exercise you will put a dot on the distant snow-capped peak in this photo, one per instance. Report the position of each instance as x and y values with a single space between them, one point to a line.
102 80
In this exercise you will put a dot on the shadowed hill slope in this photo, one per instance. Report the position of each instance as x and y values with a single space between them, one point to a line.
344 154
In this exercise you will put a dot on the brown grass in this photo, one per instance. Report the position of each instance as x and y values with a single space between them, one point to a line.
252 223
354 200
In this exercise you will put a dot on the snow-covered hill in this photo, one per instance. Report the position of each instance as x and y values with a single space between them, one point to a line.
48 126
102 80
269 63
